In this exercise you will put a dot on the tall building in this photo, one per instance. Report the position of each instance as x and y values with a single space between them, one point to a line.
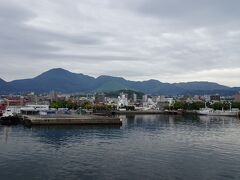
122 100
237 97
134 97
145 98
53 96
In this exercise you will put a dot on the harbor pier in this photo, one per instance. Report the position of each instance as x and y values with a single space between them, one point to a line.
71 120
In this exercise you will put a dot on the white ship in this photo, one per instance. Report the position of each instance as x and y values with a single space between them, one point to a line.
8 113
9 117
212 112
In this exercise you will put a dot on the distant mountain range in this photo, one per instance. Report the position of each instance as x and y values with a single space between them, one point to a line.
61 80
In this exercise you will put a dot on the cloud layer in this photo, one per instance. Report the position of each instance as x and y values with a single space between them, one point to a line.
174 40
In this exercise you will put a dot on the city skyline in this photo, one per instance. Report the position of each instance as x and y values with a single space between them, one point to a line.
173 41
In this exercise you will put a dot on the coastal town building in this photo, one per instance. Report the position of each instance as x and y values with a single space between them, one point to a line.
3 106
122 100
134 97
161 105
215 98
117 101
237 97
53 96
145 98
100 98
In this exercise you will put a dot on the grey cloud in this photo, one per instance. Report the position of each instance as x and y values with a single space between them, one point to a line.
189 12
20 40
141 39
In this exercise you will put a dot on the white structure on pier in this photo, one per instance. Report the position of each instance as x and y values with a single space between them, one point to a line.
122 100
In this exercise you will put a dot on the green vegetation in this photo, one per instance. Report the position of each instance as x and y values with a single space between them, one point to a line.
187 106
83 105
130 108
236 105
198 105
64 104
224 105
86 105
104 107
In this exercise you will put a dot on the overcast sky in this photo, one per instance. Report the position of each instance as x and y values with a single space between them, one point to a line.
168 40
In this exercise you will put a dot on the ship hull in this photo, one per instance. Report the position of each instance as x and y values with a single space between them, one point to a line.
10 120
219 113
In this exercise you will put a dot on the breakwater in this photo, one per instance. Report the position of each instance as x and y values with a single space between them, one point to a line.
71 120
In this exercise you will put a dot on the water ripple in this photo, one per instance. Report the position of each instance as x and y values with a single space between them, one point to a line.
145 147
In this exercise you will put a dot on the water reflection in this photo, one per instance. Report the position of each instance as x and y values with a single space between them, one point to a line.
222 119
145 147
62 135
147 120
6 132
168 120
219 122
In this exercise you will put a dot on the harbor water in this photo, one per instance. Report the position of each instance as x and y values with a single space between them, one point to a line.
144 147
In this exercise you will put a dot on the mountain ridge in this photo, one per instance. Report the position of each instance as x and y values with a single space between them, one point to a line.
64 81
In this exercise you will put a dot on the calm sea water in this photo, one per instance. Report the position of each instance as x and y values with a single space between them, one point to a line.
145 147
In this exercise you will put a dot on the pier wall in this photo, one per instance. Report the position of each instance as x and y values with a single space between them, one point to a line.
71 120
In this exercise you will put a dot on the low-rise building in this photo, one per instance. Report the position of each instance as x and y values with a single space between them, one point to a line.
215 98
100 98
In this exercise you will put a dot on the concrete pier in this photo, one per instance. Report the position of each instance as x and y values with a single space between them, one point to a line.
138 112
150 112
71 120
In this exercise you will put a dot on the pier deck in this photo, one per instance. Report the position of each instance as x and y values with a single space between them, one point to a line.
71 120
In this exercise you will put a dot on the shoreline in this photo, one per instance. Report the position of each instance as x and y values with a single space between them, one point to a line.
153 112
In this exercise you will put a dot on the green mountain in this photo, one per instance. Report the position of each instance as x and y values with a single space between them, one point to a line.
65 81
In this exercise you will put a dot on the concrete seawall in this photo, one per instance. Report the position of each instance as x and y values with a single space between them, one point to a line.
71 120
147 112
138 112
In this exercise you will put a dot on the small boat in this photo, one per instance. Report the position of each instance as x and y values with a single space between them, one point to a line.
8 118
